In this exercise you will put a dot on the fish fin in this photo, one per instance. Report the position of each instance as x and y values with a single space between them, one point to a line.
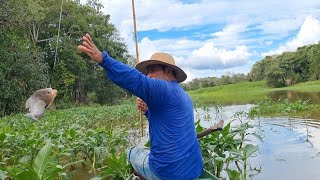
31 116
37 108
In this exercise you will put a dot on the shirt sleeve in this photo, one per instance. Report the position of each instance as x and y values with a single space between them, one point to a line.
151 91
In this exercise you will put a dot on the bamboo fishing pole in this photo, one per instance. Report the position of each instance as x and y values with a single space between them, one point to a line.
137 54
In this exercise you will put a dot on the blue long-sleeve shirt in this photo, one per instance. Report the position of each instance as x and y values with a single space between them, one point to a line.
174 149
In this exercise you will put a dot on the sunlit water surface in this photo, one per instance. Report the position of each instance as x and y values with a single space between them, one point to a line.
287 150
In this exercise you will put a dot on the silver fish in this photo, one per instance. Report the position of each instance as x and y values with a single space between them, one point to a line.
39 101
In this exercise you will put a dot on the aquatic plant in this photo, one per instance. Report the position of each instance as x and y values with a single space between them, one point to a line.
229 150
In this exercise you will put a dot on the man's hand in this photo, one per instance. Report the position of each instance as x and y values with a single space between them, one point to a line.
141 105
90 49
218 125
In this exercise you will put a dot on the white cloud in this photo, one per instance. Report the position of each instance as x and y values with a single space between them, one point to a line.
177 47
230 31
196 73
241 29
210 57
230 36
280 27
309 33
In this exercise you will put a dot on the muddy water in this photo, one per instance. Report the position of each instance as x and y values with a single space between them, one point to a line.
312 97
290 147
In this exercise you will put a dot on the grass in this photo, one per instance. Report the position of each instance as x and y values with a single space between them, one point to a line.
244 93
230 94
310 86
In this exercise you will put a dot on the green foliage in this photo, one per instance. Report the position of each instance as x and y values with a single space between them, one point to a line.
275 75
282 107
230 149
22 70
42 168
288 68
29 60
198 83
118 167
84 137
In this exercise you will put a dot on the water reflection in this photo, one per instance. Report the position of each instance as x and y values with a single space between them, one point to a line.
290 147
312 97
288 151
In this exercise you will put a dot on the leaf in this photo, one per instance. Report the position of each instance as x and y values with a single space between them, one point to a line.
50 174
257 136
249 149
42 159
72 163
2 137
25 159
27 175
233 174
147 144
225 130
13 170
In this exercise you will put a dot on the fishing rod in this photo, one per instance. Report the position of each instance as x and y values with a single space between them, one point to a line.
137 55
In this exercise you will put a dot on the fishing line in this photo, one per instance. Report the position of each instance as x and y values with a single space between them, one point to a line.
58 35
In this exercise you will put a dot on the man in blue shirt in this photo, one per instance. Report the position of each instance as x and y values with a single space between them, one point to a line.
174 149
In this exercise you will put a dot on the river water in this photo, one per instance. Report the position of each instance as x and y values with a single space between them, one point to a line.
291 146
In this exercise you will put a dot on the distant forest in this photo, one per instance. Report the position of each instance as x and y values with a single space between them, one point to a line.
38 51
286 69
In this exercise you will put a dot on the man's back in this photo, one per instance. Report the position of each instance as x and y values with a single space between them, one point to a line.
175 151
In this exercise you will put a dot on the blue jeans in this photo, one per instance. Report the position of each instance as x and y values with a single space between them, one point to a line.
139 159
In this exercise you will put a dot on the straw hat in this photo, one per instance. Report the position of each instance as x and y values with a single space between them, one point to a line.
163 59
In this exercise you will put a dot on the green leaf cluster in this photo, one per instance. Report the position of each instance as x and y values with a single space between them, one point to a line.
93 139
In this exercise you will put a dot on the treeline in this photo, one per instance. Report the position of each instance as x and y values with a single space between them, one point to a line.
34 56
289 68
229 78
286 69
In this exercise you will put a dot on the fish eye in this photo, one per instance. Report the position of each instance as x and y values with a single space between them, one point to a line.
48 92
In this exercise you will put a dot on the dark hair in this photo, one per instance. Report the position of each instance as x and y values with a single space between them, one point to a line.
173 71
164 68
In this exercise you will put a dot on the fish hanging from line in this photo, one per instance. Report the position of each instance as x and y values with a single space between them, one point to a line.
39 101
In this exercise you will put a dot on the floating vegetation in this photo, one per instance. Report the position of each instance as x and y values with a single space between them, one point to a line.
268 107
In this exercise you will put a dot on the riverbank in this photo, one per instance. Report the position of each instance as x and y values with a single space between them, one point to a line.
244 93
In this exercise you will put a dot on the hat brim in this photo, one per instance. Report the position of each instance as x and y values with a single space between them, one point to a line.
180 74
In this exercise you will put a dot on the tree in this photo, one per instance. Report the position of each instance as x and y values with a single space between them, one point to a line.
29 60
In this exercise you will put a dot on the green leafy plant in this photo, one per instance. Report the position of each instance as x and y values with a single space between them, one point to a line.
43 167
229 149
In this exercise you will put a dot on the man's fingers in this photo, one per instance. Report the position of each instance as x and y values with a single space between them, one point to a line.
85 49
214 126
220 124
89 37
86 40
85 44
82 48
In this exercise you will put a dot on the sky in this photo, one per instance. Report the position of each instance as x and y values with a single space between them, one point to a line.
216 37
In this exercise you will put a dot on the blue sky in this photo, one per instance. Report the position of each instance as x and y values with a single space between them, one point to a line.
216 37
